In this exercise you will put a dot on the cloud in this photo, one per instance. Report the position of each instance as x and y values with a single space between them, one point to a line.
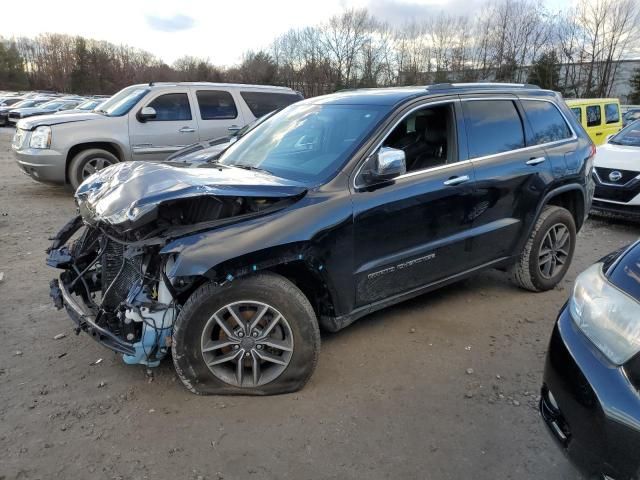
400 12
175 23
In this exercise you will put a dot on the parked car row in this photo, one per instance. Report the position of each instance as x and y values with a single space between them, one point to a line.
262 218
16 106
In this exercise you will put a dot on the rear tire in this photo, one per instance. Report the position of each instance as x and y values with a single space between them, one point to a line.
546 256
218 347
87 162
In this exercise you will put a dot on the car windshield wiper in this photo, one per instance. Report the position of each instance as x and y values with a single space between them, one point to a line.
251 167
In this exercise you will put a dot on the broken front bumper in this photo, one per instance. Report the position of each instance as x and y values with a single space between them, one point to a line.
105 293
85 319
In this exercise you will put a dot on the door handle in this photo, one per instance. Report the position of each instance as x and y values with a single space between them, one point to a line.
456 180
234 128
535 161
598 134
187 130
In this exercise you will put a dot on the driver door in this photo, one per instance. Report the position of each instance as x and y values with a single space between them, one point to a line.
414 230
173 127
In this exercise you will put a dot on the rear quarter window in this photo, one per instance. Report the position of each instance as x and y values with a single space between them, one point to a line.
216 105
547 123
611 113
594 117
261 103
493 126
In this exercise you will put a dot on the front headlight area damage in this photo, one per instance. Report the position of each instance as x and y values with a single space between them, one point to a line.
117 283
117 292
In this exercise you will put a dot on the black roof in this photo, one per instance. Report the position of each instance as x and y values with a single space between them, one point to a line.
394 95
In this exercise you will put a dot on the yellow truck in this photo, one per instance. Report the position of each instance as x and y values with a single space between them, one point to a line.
600 117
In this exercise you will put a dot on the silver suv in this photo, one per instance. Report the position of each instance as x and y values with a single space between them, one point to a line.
141 122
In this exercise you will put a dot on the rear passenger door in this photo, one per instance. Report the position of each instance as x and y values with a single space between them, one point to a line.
218 113
510 176
173 128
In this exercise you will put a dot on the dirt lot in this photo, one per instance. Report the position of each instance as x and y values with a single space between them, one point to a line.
392 396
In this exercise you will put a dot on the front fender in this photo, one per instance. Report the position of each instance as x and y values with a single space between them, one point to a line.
318 230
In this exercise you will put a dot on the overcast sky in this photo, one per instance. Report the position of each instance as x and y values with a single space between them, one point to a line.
220 30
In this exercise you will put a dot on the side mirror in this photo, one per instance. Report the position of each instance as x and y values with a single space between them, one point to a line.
147 113
388 163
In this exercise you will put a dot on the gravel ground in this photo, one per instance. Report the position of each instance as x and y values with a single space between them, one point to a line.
393 395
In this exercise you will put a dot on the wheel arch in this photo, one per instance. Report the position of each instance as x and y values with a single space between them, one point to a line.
110 147
570 197
296 262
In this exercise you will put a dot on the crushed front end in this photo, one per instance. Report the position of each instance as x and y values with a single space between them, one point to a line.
116 283
115 291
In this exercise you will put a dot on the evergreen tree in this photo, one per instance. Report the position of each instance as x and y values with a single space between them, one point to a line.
545 71
12 71
634 96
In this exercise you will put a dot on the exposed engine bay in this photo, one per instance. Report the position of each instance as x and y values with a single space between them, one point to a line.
115 283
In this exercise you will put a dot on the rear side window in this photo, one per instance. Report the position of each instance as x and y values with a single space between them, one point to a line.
612 113
171 107
547 124
216 105
577 111
261 103
493 126
593 116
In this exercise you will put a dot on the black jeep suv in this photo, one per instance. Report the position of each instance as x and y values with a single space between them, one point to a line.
333 208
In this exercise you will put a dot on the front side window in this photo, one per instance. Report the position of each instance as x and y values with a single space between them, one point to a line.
547 124
577 111
593 116
305 143
216 105
493 126
426 137
123 101
261 103
611 113
171 107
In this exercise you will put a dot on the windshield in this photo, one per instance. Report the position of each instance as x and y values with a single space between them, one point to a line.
9 101
630 135
122 102
27 103
88 105
306 143
250 126
51 105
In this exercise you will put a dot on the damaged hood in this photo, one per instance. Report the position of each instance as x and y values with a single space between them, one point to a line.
126 192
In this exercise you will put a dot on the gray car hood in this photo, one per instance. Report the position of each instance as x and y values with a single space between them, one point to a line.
56 119
124 193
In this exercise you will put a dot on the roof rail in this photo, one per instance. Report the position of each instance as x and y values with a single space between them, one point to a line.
447 86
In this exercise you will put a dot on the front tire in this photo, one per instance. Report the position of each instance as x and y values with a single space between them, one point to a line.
253 336
88 162
546 257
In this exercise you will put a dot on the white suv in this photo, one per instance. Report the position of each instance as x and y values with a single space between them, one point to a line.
141 122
